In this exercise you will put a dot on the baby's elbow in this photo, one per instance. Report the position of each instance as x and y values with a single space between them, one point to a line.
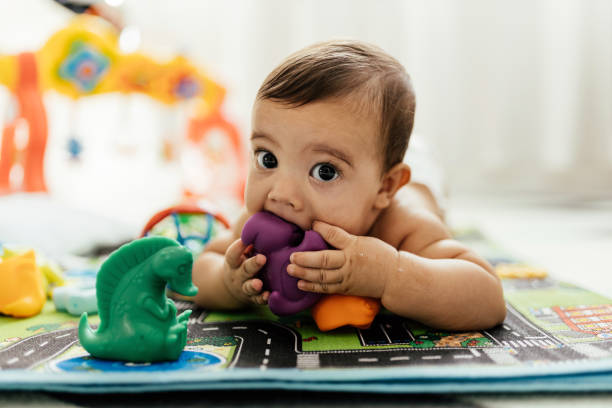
500 315
497 313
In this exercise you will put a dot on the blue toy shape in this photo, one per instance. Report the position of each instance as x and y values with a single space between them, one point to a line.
75 299
277 239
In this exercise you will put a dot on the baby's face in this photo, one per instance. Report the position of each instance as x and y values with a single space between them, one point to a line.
320 161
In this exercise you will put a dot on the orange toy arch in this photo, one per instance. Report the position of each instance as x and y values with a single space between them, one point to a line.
32 110
199 128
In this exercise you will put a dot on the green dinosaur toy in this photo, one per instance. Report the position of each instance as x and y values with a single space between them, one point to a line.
138 323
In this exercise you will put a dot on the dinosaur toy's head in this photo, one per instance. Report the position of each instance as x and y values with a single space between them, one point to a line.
173 264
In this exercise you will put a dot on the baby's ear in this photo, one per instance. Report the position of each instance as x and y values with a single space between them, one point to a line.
396 177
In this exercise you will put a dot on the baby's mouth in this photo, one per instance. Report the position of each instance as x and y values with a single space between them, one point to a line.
292 220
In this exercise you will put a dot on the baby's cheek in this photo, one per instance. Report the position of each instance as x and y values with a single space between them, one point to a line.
254 200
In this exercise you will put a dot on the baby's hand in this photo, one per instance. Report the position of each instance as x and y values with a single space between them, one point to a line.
359 266
239 272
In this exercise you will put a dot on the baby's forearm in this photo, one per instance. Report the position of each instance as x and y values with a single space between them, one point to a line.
207 275
451 294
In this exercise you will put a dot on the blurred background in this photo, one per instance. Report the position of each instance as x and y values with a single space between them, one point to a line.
514 101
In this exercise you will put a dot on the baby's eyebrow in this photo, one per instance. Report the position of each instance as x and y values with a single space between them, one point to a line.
323 148
260 135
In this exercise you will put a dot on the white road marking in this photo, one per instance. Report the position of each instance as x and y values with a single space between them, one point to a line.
431 357
516 334
500 356
527 342
475 352
239 328
267 353
43 344
513 344
63 335
307 360
262 331
399 358
263 367
209 328
521 343
385 333
12 361
269 341
506 327
265 361
463 356
367 360
27 353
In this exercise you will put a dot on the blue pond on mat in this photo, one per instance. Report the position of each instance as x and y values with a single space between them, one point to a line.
188 360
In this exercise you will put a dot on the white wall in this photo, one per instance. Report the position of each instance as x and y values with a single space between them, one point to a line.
514 96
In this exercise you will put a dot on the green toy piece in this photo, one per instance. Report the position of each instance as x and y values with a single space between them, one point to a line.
138 323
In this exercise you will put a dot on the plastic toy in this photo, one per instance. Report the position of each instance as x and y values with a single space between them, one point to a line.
520 271
75 299
335 311
277 239
21 290
31 113
190 224
50 272
84 58
138 323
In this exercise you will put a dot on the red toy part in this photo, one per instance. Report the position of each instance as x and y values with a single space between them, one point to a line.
200 127
32 111
188 208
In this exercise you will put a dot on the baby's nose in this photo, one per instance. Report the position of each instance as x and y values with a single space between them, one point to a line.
286 191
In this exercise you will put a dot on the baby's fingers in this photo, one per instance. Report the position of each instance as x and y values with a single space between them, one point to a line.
252 287
261 299
233 255
251 266
326 259
323 276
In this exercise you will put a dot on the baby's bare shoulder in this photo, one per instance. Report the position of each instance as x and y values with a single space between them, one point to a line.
409 229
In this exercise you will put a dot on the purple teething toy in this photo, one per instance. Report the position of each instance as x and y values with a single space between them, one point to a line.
277 239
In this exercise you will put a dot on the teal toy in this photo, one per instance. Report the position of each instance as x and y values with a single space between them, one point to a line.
138 323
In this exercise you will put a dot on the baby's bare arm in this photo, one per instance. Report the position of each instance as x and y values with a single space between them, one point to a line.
207 275
441 282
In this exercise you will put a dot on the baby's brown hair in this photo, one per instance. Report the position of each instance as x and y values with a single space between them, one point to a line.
339 68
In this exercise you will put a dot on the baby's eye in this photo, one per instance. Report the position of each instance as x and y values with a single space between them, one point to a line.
266 159
324 172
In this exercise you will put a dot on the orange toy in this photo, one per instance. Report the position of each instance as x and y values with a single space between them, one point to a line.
335 311
21 289
32 111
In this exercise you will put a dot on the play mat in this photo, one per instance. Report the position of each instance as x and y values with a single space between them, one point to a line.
556 337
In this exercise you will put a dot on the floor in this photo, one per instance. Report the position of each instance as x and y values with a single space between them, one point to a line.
569 236
274 399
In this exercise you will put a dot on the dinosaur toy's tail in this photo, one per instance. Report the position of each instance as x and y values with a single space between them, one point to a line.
88 338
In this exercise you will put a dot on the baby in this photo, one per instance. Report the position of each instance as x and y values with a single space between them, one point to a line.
330 127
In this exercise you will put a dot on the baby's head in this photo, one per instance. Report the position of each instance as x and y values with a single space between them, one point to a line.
330 128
